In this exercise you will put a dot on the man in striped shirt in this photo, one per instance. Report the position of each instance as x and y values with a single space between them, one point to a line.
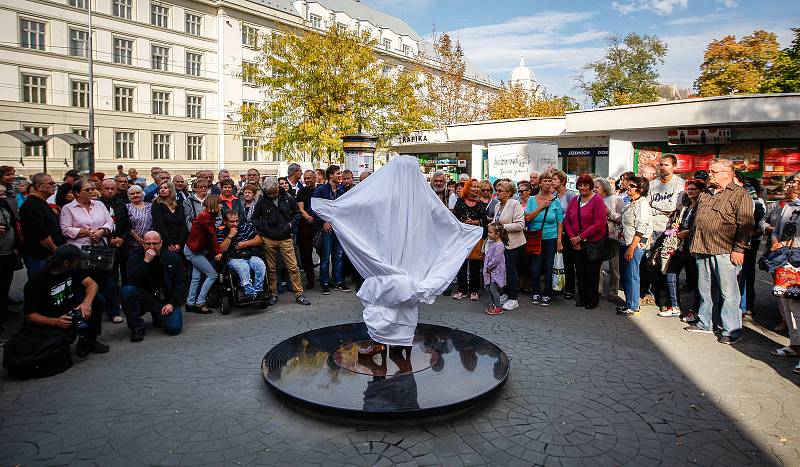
722 231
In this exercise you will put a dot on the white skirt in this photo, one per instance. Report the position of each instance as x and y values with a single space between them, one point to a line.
391 326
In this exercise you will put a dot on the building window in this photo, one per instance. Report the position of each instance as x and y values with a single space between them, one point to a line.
160 57
161 102
194 147
249 149
123 8
78 43
81 132
341 26
194 106
276 157
42 131
31 34
193 24
249 36
159 16
123 144
34 89
161 145
249 73
79 3
80 94
123 99
123 51
316 21
406 50
387 44
194 61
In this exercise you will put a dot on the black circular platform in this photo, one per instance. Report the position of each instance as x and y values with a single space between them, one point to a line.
444 370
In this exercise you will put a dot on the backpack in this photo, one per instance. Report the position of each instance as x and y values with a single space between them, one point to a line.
33 355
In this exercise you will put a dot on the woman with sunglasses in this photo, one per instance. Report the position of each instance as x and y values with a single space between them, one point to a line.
637 228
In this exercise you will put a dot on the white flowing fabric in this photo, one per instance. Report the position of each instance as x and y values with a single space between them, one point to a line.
403 240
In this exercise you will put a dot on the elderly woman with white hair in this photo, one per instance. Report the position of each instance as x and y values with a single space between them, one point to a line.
140 214
614 206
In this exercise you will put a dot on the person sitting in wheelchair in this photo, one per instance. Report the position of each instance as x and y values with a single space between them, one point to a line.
241 248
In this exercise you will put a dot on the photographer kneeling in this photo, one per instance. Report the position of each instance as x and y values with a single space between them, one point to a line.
61 303
156 285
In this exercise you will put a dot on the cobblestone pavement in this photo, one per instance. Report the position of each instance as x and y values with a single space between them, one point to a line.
585 388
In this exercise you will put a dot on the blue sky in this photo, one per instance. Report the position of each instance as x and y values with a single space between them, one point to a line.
557 38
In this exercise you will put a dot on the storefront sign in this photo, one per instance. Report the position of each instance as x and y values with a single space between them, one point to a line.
516 160
582 152
699 136
423 137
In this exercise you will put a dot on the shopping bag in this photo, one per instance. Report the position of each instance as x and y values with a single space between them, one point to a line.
558 273
787 282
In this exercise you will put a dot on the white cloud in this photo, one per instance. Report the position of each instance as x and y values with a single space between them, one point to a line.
659 7
728 3
688 20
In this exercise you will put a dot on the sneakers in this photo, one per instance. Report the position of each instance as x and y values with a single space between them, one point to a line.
473 296
628 312
536 299
342 287
729 339
494 311
86 346
545 301
459 296
510 305
325 290
137 335
698 329
302 300
689 318
670 312
503 298
117 319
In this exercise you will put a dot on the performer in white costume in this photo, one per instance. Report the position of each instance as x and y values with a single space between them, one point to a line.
405 243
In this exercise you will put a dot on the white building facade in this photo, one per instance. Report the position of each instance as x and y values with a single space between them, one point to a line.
167 82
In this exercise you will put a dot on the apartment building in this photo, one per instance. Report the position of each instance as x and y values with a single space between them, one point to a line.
167 85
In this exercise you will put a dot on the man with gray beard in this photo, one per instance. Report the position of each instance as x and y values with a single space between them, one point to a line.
439 185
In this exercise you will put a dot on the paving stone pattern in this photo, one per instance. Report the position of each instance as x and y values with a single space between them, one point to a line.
585 388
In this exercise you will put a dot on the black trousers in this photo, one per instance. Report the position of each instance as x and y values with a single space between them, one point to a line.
569 267
588 278
7 265
472 280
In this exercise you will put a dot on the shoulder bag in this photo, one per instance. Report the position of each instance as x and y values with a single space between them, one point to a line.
97 258
599 251
533 239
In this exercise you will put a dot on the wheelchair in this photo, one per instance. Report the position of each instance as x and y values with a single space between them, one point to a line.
230 292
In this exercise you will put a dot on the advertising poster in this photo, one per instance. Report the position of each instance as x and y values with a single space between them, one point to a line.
516 160
779 162
746 155
359 162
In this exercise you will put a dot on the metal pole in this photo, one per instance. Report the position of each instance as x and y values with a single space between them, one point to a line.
44 158
91 92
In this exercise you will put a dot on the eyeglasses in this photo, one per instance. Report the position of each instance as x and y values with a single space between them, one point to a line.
631 185
153 243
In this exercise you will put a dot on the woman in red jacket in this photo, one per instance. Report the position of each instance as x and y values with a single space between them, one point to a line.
201 242
586 222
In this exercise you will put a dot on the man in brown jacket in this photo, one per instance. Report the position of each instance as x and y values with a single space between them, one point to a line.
722 230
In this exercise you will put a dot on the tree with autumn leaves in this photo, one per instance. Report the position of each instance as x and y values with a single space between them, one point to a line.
732 66
512 101
784 74
318 87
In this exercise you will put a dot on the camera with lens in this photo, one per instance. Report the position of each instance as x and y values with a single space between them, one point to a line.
78 323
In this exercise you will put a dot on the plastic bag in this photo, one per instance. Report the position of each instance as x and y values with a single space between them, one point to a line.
558 273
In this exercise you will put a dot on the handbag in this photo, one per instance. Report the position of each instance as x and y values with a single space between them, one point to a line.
601 250
97 258
787 282
477 251
533 239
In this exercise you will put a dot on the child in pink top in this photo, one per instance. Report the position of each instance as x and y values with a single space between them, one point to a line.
494 267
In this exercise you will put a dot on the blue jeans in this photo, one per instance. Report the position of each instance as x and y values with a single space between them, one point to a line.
200 267
330 248
543 264
243 268
629 270
136 302
492 294
32 265
718 268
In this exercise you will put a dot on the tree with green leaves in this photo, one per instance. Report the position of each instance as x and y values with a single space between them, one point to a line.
627 72
319 87
736 67
512 101
784 74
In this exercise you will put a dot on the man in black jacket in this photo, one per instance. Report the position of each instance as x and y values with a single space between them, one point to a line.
41 230
275 216
156 285
116 238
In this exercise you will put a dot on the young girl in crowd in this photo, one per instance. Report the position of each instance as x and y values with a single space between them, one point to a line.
494 267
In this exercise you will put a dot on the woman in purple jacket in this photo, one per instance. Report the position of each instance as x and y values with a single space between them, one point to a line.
586 222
